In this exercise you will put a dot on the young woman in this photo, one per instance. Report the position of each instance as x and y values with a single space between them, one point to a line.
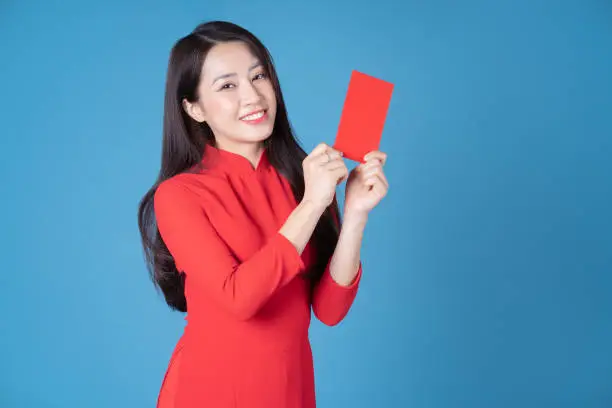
242 229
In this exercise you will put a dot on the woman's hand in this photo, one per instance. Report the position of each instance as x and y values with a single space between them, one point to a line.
366 185
324 169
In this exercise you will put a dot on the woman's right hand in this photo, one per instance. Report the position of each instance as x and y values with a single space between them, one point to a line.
324 169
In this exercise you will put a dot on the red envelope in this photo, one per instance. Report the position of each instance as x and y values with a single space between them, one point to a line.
363 116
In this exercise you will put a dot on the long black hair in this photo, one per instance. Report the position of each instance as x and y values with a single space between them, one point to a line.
184 140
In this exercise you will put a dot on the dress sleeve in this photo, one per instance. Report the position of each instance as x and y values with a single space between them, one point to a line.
332 301
241 288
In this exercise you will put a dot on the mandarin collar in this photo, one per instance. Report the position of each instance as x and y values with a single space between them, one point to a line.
233 162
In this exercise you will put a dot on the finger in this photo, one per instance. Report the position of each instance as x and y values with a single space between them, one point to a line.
372 170
384 180
371 164
334 164
376 154
323 160
377 185
324 148
376 178
319 153
334 154
341 174
369 181
380 175
359 168
321 148
327 157
380 189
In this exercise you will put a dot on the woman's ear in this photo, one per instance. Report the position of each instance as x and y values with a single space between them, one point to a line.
194 111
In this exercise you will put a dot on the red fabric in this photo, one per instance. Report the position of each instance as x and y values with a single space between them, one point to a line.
249 309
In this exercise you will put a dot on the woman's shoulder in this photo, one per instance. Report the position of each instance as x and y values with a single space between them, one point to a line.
189 188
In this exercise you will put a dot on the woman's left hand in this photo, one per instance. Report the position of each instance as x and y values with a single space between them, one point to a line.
366 185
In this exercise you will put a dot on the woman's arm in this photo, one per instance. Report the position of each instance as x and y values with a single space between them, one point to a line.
242 288
301 224
346 260
334 294
365 188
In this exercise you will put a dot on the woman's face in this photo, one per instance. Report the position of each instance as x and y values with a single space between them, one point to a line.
236 97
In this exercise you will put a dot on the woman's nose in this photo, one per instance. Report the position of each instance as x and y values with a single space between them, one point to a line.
250 94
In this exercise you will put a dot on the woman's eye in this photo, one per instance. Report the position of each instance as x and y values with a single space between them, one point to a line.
230 85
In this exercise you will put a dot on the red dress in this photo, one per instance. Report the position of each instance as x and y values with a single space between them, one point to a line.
246 342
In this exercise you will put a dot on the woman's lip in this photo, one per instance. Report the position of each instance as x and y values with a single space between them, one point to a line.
253 113
258 120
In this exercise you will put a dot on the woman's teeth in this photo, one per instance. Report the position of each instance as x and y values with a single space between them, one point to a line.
254 116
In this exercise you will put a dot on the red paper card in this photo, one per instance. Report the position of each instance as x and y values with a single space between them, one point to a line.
363 116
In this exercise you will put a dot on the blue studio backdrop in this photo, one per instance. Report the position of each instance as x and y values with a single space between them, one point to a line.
488 267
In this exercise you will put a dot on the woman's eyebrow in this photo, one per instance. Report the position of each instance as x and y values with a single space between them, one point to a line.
252 67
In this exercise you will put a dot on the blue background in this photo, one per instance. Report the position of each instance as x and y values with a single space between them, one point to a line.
487 267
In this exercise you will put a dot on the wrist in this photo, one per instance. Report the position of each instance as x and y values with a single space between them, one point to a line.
355 218
312 207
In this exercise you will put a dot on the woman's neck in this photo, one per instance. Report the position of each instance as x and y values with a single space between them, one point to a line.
251 151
